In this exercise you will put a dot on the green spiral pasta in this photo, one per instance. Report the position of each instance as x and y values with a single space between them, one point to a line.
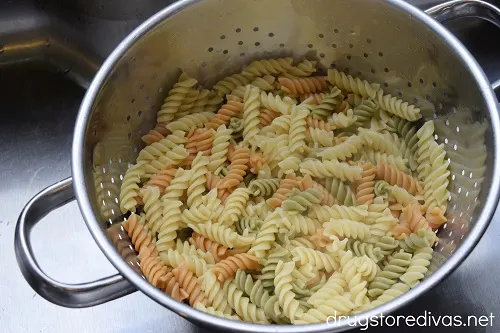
387 245
301 201
365 249
409 134
416 241
248 225
364 112
242 305
276 103
258 295
396 267
267 274
328 104
264 187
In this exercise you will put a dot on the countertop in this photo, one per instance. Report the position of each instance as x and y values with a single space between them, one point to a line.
35 149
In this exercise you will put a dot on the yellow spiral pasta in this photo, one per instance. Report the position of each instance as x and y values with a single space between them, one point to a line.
331 168
354 85
298 131
398 107
174 98
268 67
228 84
276 103
251 113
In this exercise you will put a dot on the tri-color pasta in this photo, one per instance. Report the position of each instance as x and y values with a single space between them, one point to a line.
281 196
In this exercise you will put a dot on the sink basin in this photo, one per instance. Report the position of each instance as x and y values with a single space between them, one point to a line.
49 52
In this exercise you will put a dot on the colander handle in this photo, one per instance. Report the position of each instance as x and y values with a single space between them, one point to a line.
68 295
454 9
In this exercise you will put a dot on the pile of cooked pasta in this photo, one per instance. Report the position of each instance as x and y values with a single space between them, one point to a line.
281 196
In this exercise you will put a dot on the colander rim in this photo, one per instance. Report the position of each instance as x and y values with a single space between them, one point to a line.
202 318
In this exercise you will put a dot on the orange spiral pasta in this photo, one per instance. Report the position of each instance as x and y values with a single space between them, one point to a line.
256 162
319 239
138 234
230 152
412 216
320 124
152 267
401 230
228 267
199 140
267 116
231 109
343 107
328 198
217 250
396 209
305 182
171 286
189 282
213 181
156 134
162 179
435 217
237 168
397 177
286 186
303 85
365 187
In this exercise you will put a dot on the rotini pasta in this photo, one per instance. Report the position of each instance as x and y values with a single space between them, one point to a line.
284 196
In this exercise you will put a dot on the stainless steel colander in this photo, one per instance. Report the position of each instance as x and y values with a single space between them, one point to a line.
389 42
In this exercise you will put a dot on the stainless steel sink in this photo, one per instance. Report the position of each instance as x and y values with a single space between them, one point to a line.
49 52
